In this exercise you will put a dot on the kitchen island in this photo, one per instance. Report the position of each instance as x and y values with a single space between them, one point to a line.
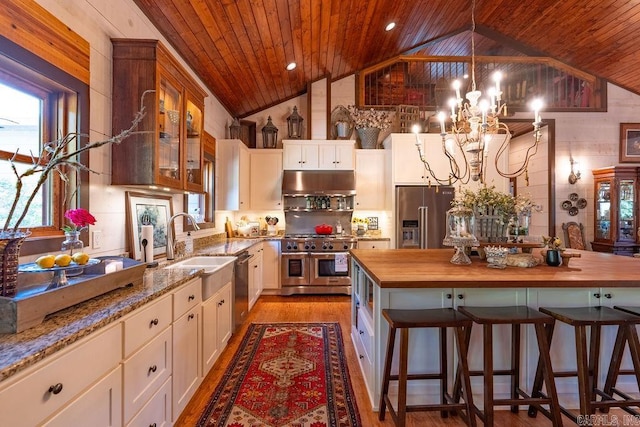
416 279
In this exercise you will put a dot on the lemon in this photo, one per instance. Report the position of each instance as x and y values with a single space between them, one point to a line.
63 260
46 261
80 258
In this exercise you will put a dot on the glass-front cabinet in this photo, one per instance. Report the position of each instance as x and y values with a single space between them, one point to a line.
616 210
167 150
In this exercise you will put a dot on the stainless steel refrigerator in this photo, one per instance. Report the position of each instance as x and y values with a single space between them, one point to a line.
421 213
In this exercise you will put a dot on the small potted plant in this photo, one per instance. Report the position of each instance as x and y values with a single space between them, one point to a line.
368 124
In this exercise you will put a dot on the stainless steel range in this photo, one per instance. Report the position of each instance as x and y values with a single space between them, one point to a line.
316 264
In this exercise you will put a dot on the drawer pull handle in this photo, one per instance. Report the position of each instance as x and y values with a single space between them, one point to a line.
154 322
55 389
361 332
192 297
191 316
152 369
449 296
152 425
220 303
608 296
460 296
597 295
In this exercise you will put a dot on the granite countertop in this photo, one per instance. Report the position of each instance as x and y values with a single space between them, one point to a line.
63 328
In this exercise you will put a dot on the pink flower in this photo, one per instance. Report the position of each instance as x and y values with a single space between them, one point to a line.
80 218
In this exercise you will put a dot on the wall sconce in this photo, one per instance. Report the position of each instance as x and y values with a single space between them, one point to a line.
573 176
234 129
269 135
294 123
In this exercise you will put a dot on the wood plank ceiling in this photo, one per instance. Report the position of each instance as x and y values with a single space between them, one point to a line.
240 48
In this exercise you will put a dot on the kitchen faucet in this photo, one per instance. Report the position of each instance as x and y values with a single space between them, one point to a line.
171 240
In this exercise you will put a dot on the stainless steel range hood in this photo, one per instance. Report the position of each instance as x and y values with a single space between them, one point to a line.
320 182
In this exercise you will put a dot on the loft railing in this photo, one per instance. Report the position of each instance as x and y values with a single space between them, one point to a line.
425 82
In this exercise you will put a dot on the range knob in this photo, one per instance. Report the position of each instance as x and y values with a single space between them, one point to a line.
295 247
288 246
313 246
306 247
345 246
324 247
330 246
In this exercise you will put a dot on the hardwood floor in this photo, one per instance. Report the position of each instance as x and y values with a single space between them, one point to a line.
332 309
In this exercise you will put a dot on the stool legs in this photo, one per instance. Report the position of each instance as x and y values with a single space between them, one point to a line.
487 351
387 372
545 358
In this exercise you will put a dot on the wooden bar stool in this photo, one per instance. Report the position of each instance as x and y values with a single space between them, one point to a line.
516 316
587 362
429 318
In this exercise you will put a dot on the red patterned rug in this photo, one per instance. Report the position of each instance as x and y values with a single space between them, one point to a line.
285 374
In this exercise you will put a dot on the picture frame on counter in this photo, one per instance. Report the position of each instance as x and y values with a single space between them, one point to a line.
629 142
147 209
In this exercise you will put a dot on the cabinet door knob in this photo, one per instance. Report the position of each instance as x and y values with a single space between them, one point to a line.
152 369
460 296
152 425
607 296
449 296
191 316
192 297
55 389
154 322
361 332
597 295
361 357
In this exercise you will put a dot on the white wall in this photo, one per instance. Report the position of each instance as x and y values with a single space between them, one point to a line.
98 21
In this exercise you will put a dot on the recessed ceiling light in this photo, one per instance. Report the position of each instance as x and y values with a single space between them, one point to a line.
292 66
390 26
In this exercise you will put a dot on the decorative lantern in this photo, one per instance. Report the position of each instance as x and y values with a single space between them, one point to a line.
294 123
269 135
460 233
234 129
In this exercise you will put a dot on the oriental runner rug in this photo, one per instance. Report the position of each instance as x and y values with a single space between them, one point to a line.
285 374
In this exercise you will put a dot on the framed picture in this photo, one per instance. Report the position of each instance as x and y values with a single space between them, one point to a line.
629 142
147 209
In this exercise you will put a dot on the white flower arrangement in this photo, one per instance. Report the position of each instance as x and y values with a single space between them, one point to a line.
369 118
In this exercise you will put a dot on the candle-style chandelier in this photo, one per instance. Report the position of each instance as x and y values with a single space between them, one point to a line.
472 125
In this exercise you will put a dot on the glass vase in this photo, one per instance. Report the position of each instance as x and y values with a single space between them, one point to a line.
72 243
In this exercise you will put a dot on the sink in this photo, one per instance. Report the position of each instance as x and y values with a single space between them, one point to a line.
210 264
218 271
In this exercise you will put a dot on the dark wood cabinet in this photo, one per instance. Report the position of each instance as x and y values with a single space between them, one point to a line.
167 151
616 210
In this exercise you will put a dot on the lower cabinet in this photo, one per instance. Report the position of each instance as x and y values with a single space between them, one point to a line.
66 384
101 405
373 244
255 273
139 371
216 326
271 264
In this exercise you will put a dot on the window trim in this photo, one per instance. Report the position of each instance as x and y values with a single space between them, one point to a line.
16 53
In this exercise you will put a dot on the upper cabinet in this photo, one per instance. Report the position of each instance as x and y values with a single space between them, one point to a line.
318 155
266 179
372 178
168 151
616 210
233 169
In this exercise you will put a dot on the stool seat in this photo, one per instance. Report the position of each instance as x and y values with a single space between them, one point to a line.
604 316
587 360
516 316
441 318
426 318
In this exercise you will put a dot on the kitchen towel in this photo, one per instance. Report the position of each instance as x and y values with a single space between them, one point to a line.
341 263
146 249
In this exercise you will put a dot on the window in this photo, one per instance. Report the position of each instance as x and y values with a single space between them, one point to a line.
38 103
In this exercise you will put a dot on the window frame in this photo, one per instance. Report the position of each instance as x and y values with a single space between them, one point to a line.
48 239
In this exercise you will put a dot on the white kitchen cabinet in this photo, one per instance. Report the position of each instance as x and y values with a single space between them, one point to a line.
157 411
335 155
372 179
145 372
187 302
146 323
318 154
62 383
186 358
299 155
373 244
266 179
271 264
255 273
233 174
216 326
100 405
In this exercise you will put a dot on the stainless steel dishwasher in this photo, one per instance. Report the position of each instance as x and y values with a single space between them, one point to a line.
241 290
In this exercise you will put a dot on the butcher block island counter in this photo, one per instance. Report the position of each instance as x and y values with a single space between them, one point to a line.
424 278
